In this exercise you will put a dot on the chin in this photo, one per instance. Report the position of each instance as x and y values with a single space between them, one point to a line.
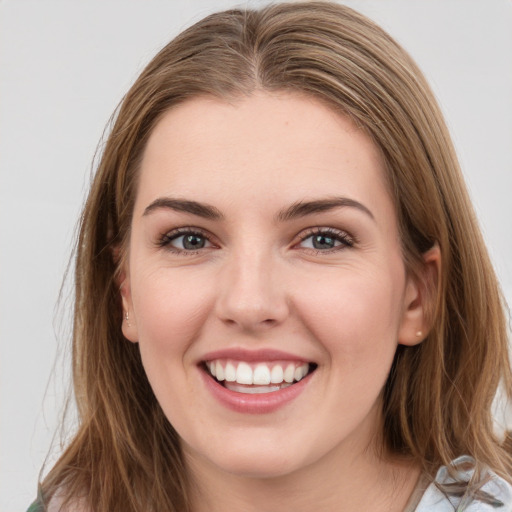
263 460
260 467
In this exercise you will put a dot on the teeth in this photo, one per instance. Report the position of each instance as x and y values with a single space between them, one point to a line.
277 374
299 373
230 372
260 374
243 374
252 390
289 373
219 371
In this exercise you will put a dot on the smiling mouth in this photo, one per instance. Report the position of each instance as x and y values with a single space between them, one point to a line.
257 378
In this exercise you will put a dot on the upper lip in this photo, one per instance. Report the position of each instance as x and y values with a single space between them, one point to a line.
243 354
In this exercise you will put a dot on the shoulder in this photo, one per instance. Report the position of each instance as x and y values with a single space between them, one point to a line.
57 504
446 494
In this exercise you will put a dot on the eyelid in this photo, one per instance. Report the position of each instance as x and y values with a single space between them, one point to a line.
165 239
347 240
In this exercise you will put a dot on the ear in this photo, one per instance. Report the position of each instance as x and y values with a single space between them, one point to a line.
129 323
419 299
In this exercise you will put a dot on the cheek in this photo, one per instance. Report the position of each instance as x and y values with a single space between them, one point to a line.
169 307
356 315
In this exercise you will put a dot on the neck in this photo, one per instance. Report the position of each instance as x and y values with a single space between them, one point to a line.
340 481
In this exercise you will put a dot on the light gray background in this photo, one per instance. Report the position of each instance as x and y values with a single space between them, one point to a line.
65 65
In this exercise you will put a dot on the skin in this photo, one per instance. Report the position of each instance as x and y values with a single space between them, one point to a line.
258 282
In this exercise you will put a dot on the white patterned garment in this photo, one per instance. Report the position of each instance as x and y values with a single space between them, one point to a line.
498 490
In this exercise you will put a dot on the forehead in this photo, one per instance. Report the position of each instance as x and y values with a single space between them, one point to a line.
279 145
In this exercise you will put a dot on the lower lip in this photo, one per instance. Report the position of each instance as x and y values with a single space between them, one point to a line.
261 403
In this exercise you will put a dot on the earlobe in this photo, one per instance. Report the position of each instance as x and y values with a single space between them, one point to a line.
419 299
129 325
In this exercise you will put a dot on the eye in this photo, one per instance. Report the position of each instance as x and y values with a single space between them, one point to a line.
325 240
185 240
189 242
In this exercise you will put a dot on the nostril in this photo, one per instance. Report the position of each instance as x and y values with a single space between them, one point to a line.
249 322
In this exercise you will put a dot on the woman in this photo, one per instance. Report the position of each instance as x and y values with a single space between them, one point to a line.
283 301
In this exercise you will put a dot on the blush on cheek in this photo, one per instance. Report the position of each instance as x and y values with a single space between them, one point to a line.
170 312
353 315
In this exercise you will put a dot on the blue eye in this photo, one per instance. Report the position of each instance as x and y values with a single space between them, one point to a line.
327 239
182 240
189 242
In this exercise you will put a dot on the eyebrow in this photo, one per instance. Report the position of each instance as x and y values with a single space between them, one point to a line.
182 205
305 208
294 211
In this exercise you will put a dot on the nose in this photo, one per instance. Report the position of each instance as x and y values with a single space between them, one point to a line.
251 293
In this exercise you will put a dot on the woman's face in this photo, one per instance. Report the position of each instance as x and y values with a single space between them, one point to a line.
264 250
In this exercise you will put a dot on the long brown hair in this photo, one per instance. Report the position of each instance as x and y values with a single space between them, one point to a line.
437 402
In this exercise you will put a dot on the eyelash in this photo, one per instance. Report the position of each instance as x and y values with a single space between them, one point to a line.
346 240
337 235
166 240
